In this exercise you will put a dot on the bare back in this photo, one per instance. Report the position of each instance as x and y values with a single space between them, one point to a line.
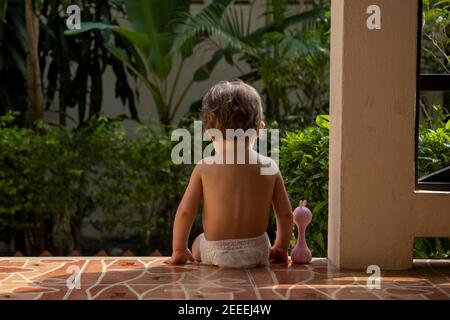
236 200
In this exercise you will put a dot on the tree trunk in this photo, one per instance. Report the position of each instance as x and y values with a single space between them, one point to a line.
62 103
62 232
75 227
35 104
39 233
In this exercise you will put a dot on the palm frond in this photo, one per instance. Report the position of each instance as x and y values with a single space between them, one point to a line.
212 21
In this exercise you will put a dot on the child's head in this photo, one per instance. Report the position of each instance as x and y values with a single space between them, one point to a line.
232 105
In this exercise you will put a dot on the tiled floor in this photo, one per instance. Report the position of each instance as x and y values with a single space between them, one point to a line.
150 278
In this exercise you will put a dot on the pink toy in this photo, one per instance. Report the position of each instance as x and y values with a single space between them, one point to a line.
302 217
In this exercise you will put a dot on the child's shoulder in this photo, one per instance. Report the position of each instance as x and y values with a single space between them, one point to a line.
267 165
266 161
203 164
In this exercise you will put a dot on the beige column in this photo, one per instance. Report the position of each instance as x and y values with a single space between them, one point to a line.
374 210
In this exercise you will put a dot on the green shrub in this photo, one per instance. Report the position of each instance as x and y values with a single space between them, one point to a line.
304 164
434 143
140 194
47 179
54 180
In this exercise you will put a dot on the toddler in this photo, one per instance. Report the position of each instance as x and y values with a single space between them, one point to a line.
236 196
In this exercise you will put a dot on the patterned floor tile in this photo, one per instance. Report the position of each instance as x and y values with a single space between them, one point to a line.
87 278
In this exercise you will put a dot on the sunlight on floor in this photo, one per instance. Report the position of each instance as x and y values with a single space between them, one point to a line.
86 278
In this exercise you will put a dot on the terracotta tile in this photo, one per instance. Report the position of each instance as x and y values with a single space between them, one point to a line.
149 278
14 270
166 292
126 265
116 292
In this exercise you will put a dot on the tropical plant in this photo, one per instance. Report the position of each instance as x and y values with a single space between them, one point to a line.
73 67
76 65
153 56
289 54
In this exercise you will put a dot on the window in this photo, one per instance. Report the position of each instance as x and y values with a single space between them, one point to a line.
433 84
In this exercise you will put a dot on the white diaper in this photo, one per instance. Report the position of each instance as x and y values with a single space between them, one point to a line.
236 253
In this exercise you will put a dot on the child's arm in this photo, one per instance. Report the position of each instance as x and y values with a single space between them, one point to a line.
283 212
184 218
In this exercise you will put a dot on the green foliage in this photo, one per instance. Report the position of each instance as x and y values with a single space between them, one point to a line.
55 179
49 174
304 163
436 41
432 248
139 194
434 143
153 50
289 55
74 67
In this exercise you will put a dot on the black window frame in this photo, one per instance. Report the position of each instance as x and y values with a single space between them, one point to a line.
437 181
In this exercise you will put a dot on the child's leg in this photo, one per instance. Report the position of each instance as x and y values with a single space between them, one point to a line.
196 248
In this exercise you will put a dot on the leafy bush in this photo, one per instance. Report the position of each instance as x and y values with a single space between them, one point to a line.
434 142
46 180
53 181
140 194
304 163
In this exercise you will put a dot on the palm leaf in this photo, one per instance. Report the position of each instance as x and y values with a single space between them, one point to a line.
278 8
189 29
154 18
139 39
310 15
302 17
